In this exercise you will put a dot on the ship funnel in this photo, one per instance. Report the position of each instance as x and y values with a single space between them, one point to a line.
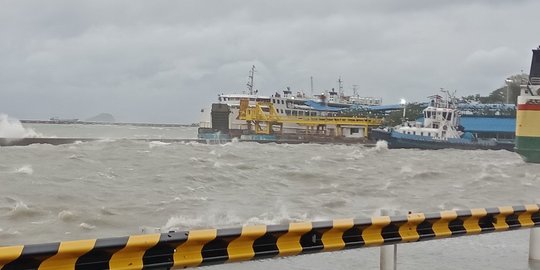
534 75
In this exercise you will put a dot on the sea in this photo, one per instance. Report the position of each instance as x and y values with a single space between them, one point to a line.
118 187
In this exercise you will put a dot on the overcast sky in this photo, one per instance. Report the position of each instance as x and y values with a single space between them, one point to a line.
162 61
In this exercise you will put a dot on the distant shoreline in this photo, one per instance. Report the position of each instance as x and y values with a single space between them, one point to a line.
60 122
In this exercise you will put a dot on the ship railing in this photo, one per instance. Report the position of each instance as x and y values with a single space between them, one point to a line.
195 248
331 120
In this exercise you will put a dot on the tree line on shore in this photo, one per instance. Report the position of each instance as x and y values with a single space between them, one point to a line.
504 95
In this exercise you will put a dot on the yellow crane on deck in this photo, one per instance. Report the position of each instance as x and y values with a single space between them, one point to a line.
265 119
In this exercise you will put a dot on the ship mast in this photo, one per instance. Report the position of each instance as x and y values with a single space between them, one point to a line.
340 87
250 80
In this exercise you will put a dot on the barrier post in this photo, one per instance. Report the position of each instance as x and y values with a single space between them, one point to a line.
534 244
388 259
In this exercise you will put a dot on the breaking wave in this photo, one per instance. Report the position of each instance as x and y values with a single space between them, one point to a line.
12 128
26 169
381 146
21 210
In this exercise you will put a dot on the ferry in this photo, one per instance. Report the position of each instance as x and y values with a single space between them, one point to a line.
439 129
528 114
286 104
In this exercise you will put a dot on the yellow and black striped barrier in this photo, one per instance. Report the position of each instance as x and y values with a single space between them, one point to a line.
216 246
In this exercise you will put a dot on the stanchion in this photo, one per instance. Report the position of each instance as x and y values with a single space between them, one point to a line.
534 244
388 260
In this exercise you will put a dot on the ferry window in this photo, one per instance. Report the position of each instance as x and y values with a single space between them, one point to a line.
449 116
273 101
421 133
295 113
288 112
444 115
429 134
414 132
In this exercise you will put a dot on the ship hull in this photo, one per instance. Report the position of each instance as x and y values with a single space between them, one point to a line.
411 142
527 129
528 148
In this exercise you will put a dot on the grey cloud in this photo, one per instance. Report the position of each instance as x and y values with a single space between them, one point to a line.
162 61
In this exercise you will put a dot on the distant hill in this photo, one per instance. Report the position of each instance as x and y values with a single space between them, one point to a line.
102 117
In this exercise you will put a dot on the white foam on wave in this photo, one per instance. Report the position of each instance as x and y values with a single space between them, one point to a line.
279 215
9 232
381 146
87 226
26 169
357 154
66 216
219 219
106 140
153 144
12 128
406 169
76 156
218 164
21 210
234 141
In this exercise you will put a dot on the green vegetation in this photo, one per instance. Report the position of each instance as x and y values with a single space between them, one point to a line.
510 91
498 96
413 111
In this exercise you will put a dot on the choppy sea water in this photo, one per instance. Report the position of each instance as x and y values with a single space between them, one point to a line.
118 187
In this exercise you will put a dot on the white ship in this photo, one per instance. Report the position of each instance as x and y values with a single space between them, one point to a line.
287 104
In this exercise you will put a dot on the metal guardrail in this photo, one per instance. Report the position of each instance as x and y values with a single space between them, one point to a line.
217 246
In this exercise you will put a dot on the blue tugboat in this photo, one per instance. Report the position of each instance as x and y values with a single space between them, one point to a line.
440 129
